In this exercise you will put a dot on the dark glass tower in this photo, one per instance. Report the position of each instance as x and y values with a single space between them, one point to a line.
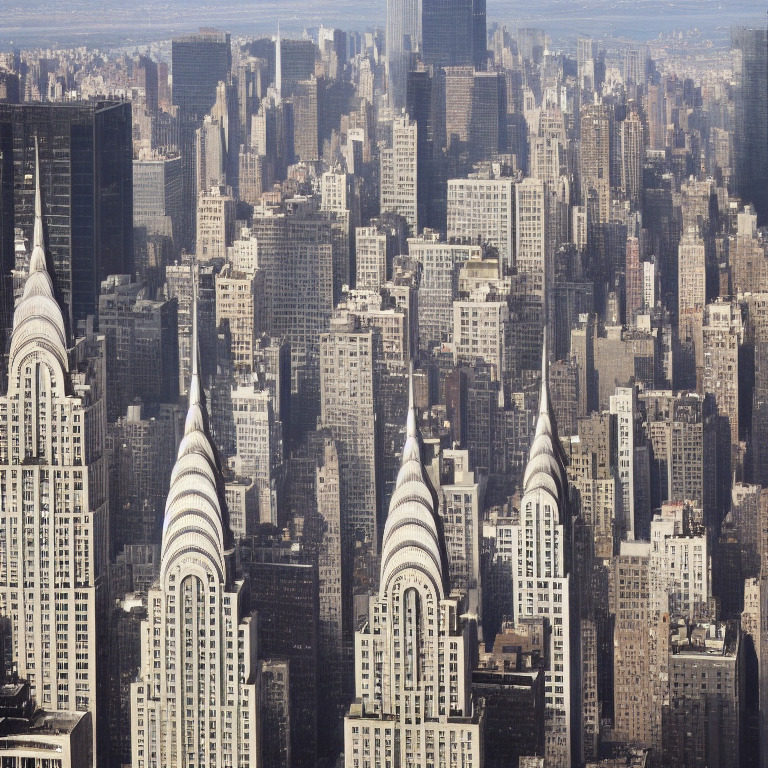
200 62
751 123
451 30
86 177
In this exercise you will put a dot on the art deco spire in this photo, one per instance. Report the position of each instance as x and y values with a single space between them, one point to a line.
546 460
413 534
37 317
196 519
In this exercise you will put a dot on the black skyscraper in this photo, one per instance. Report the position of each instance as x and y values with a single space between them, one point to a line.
86 175
751 123
451 30
200 62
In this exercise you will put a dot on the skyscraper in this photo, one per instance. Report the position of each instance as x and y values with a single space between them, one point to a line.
595 155
197 698
85 155
349 360
451 30
750 63
399 174
413 655
541 541
200 62
54 501
403 38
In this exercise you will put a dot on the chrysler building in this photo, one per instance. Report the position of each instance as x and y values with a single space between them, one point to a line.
196 702
414 654
541 543
53 499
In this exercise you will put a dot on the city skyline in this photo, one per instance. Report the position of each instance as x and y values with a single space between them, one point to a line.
386 395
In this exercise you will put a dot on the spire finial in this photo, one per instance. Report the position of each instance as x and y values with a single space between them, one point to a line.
411 427
194 385
38 236
544 399
37 260
195 415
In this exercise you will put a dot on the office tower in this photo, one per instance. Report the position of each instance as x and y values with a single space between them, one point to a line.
380 312
747 256
146 78
142 444
680 567
623 354
413 655
306 120
692 293
759 443
259 443
340 205
633 273
564 391
197 697
488 126
142 345
475 112
632 156
481 331
371 258
484 209
349 360
295 63
403 40
210 155
440 265
461 496
548 148
750 62
284 593
597 487
236 305
542 572
242 499
157 193
624 405
272 134
54 496
594 158
85 169
333 574
253 175
590 65
459 89
702 725
199 62
453 33
722 336
296 254
632 635
399 174
276 713
535 267
215 223
156 214
583 351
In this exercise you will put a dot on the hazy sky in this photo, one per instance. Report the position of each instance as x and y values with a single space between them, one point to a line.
99 21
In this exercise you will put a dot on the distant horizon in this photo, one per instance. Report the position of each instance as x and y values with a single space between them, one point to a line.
99 24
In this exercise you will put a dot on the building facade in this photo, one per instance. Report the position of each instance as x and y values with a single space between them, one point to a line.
196 701
54 501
